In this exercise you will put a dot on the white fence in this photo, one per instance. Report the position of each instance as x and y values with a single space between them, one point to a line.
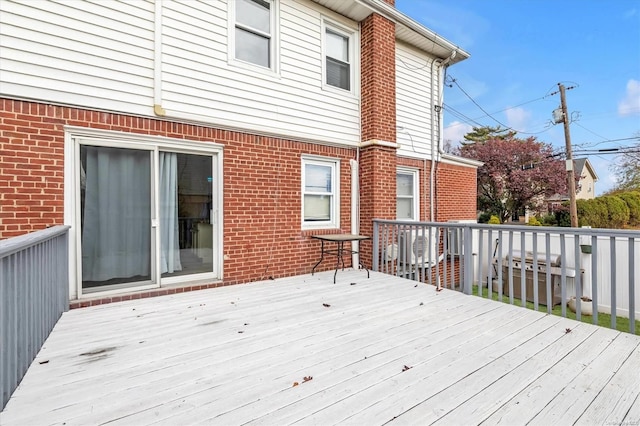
609 259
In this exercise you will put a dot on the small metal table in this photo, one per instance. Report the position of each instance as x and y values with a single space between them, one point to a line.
339 239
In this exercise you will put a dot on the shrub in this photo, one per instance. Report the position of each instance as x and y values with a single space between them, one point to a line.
549 220
484 217
563 217
494 220
592 213
533 221
617 211
632 198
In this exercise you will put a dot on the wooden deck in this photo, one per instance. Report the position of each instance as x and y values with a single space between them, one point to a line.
372 351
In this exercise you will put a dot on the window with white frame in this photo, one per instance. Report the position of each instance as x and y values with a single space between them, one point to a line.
320 189
339 46
407 194
254 38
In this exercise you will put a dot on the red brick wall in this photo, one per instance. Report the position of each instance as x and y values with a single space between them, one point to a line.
378 122
456 192
262 186
378 81
31 166
377 186
262 204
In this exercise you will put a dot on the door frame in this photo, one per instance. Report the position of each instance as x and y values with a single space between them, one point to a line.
154 144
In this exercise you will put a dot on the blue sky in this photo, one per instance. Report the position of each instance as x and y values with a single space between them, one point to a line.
521 49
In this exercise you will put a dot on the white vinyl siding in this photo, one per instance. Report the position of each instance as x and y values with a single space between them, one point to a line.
85 53
100 54
414 109
291 103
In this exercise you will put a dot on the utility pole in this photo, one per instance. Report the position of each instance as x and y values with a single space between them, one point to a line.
571 180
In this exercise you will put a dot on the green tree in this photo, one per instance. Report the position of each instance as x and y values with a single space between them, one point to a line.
483 134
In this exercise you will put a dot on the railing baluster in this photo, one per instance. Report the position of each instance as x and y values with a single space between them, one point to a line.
632 282
34 291
563 273
534 236
594 278
551 287
612 248
577 280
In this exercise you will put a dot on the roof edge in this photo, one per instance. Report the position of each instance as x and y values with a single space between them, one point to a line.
382 8
461 160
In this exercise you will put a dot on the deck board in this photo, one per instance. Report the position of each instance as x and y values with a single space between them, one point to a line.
385 349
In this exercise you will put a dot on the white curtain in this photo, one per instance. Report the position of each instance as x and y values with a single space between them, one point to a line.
169 240
116 234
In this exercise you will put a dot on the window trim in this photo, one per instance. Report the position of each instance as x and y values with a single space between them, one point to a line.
334 208
274 47
354 52
415 175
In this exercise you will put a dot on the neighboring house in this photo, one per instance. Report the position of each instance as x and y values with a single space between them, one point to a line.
193 143
585 187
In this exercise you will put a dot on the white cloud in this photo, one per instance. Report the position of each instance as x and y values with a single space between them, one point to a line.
455 132
630 105
518 118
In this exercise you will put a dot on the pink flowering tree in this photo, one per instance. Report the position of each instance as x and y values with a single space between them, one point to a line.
517 174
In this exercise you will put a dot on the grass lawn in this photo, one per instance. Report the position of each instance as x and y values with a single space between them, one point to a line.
604 320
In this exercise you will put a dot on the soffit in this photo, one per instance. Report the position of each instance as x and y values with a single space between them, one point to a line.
407 30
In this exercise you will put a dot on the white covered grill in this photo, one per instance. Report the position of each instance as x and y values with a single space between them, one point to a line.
555 269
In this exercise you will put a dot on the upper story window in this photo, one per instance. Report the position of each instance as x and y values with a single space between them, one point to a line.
254 39
320 193
339 57
407 201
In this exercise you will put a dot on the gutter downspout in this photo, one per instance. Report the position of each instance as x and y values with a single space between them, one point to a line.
437 107
157 61
355 207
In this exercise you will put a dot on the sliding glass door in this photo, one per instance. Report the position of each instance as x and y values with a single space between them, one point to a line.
146 214
186 214
116 216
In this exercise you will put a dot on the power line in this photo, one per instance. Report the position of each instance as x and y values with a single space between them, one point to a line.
598 153
460 115
454 81
592 144
487 114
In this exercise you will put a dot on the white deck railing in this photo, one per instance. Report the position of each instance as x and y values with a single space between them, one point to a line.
34 292
599 264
